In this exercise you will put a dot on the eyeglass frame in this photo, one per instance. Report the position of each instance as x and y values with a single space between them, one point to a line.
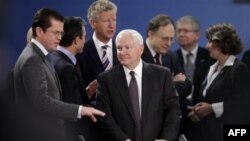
56 33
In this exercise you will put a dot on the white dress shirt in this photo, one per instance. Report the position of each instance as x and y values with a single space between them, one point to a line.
194 53
99 44
138 76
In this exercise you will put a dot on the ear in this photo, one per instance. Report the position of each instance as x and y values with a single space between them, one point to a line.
76 40
142 48
197 34
92 23
150 33
39 31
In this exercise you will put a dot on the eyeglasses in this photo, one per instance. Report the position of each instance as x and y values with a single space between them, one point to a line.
56 33
167 39
185 31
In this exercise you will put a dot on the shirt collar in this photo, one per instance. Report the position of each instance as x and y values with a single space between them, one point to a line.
137 70
67 53
99 43
40 46
152 51
194 51
229 62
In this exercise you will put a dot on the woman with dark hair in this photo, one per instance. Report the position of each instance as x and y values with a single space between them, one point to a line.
226 90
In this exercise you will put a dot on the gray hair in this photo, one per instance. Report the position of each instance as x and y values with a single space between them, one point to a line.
190 20
99 6
135 34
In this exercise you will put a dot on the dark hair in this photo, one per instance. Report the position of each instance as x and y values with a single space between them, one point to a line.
43 17
72 29
159 20
224 36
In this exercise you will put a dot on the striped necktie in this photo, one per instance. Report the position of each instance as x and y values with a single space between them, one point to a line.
105 59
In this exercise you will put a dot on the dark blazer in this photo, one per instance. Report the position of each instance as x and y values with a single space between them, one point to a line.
73 88
73 91
159 110
37 93
171 61
90 62
202 63
246 58
231 86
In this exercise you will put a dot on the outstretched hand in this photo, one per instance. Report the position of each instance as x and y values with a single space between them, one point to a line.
91 113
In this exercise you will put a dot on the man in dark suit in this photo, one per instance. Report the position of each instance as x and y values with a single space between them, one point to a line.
67 68
160 38
195 59
139 98
37 89
187 36
99 51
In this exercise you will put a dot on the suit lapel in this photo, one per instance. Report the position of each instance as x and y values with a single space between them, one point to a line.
181 58
146 91
147 56
94 56
122 86
47 64
115 60
218 77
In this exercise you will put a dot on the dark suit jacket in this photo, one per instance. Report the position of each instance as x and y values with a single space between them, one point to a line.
37 92
73 91
90 62
246 58
73 88
231 86
202 63
160 109
171 61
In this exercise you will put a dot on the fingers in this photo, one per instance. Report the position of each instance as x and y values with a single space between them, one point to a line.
179 77
92 113
98 112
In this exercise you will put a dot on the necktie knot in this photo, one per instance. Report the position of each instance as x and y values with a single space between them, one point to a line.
190 54
105 59
132 73
105 47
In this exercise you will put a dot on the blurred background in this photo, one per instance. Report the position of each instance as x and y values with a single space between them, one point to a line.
16 17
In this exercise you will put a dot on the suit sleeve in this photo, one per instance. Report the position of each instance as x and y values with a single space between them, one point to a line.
34 78
108 125
246 58
72 86
236 108
172 110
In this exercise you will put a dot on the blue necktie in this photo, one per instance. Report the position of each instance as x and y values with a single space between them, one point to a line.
49 58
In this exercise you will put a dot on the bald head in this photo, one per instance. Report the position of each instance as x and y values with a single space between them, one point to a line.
129 45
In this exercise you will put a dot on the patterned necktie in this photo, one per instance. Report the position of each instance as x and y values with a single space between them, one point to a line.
157 59
134 98
189 68
105 59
